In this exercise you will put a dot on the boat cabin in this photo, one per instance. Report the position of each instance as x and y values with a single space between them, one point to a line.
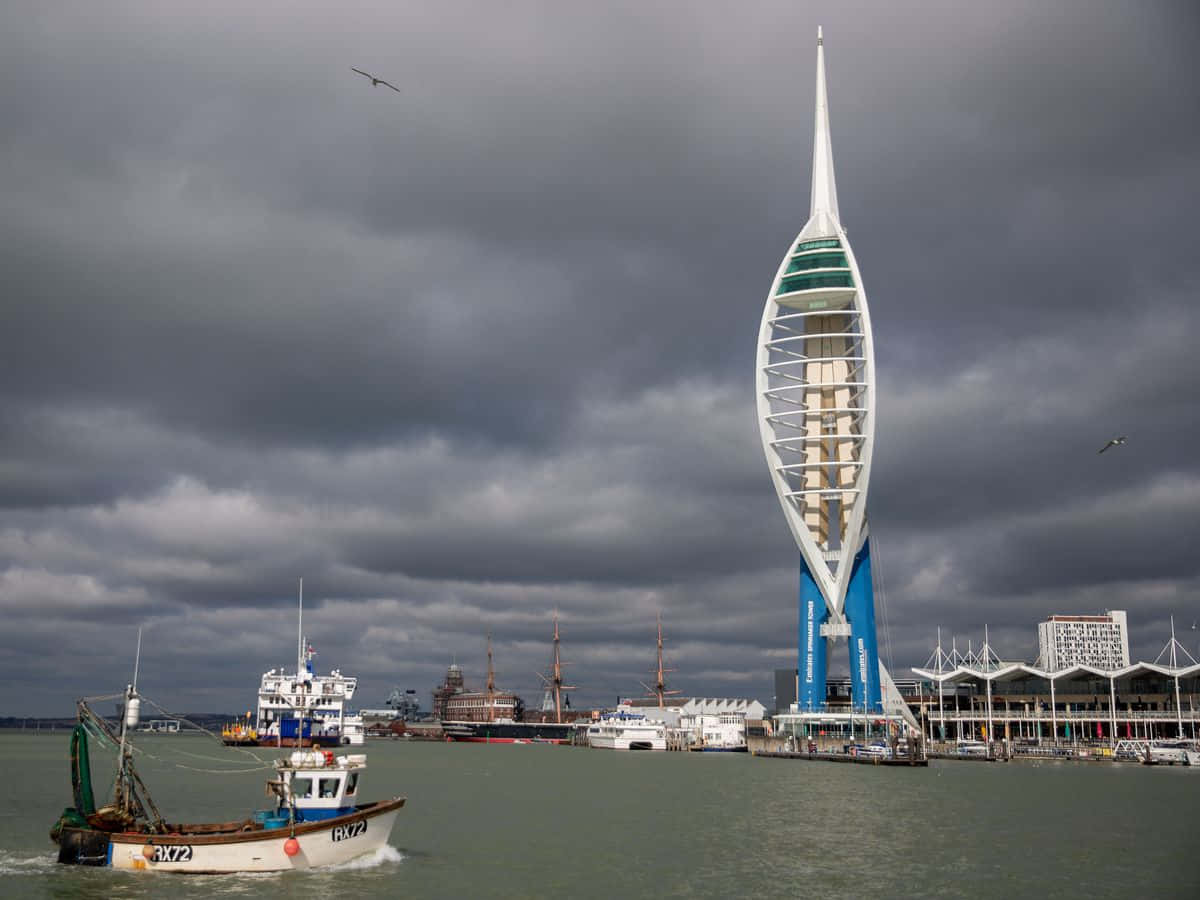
317 784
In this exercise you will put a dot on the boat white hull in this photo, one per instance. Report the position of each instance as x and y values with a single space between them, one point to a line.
1174 756
321 844
636 742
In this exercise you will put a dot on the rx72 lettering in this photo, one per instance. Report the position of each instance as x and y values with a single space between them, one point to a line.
349 830
172 853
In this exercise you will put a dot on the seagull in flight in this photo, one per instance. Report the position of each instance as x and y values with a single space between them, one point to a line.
1115 442
375 82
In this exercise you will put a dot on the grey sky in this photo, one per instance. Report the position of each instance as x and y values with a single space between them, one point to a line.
483 349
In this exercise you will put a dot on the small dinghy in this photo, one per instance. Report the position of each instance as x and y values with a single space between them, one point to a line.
316 820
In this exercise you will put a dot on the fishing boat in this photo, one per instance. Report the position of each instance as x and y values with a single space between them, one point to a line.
316 818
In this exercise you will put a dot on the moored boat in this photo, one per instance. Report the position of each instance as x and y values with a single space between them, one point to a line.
1172 753
240 734
507 732
627 731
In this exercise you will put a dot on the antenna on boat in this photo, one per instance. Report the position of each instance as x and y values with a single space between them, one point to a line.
300 632
137 659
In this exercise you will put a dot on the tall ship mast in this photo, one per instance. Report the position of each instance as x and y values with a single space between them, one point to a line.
491 683
555 687
659 691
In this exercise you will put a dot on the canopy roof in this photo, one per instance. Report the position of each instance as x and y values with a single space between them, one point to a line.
1020 672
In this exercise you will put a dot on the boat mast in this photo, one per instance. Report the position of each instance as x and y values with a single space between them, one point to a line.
491 681
300 633
559 687
660 682
129 711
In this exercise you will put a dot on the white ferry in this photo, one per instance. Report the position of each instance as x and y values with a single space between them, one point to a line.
353 730
627 731
302 709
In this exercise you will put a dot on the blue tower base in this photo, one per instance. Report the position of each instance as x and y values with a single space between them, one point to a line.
864 644
810 694
863 648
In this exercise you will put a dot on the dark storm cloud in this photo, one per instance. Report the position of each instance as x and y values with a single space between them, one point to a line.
483 349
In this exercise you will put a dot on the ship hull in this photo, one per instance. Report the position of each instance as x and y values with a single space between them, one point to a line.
320 741
323 843
507 732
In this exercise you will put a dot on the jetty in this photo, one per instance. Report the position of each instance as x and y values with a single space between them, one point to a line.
865 759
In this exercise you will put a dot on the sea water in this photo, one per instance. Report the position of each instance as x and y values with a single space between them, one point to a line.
537 820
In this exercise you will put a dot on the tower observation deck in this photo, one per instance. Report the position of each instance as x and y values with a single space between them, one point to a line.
815 389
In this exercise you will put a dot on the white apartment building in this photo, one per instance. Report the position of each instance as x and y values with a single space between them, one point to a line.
1099 641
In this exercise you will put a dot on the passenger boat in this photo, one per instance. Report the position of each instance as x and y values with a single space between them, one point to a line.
971 748
1172 753
627 731
301 708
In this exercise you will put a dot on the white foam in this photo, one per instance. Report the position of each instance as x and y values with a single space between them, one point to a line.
11 864
385 854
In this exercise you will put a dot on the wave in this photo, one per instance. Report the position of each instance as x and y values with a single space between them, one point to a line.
16 864
385 854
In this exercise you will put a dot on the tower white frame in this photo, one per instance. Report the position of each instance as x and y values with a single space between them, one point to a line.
797 389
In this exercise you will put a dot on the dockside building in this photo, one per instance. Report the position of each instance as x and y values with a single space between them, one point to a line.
1098 641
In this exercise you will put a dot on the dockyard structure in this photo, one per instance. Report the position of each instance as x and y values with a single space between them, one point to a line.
452 685
981 698
1101 641
693 722
716 722
482 706
699 706
456 704
816 397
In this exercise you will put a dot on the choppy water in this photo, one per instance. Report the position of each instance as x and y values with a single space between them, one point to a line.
537 820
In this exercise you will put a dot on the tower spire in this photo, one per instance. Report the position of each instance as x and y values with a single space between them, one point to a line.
823 214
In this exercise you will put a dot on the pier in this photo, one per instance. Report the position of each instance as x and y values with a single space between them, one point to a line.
865 759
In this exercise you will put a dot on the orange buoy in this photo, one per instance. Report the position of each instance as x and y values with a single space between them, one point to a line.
291 846
148 851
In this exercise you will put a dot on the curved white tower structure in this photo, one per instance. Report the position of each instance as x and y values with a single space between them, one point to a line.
816 412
